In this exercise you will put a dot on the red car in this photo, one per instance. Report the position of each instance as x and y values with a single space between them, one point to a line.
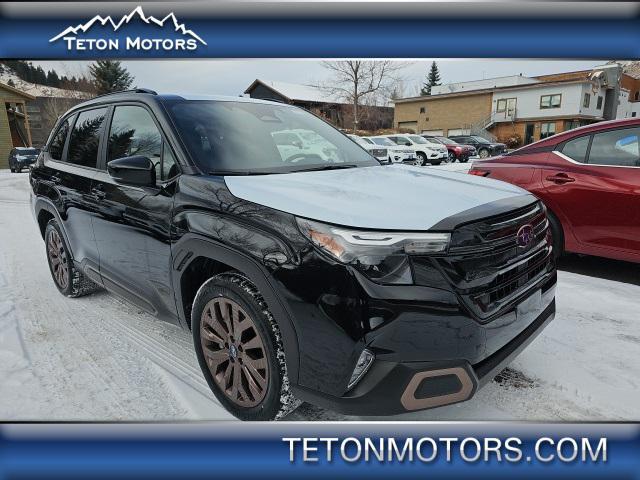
589 178
455 150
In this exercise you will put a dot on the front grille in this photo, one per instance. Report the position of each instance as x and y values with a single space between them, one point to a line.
487 267
379 152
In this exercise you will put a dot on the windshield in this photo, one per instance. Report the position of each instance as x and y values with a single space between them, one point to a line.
418 139
384 141
28 151
480 139
446 141
359 140
247 137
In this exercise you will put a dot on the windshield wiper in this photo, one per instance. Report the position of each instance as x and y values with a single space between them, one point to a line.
326 167
237 173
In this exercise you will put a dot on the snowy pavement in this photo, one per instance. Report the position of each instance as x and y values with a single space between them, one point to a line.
98 358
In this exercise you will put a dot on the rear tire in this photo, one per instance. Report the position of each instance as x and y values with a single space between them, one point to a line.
70 281
557 234
243 361
452 157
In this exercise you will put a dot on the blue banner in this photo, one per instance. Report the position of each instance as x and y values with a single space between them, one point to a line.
412 31
320 450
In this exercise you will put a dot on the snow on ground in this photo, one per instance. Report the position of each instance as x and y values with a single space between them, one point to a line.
98 358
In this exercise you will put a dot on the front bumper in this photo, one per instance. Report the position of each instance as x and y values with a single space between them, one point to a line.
395 387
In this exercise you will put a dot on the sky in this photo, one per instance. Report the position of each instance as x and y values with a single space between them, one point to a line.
231 77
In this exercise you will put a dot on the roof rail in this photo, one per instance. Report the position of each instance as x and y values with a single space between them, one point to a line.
135 90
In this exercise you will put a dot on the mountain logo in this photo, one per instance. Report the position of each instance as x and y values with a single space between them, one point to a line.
179 37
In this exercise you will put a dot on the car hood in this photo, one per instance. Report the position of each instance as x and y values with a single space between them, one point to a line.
397 197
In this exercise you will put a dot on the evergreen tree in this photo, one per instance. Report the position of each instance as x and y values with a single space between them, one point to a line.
110 76
433 79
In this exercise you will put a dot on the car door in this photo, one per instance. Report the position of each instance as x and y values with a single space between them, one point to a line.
69 166
595 184
132 227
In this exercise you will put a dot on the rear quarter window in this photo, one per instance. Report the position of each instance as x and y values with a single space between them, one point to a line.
56 146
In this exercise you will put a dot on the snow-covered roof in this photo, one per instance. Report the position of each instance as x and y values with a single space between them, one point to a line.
296 91
37 90
631 68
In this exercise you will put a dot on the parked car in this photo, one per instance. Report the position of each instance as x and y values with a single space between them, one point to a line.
397 153
589 179
361 288
381 154
22 157
455 151
297 144
426 151
484 147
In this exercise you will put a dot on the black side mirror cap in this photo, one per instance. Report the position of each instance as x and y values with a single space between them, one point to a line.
137 170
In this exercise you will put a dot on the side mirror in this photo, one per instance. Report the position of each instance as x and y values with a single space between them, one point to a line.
297 143
137 170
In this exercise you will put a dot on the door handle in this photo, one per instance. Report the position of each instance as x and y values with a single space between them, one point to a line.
560 178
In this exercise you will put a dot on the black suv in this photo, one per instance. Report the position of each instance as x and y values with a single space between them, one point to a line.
484 147
22 157
305 272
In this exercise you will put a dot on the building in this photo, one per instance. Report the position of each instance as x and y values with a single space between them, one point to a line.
334 110
519 110
14 121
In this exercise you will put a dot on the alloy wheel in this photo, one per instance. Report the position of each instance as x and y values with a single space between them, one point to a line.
234 352
58 259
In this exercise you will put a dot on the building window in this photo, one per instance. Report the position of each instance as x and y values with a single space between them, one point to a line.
33 109
547 129
571 124
587 100
637 96
423 110
551 101
599 104
633 114
506 104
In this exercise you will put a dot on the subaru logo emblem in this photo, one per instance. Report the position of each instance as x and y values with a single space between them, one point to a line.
524 236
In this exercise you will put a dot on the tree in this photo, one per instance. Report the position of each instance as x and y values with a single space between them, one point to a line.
110 76
433 79
357 82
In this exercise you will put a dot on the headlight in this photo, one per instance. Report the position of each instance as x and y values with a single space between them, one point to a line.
381 256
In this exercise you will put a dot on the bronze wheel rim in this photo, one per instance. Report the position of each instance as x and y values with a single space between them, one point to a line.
58 260
234 352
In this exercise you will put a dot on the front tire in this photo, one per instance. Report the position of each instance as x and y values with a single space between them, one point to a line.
70 281
557 234
483 153
452 157
421 159
239 348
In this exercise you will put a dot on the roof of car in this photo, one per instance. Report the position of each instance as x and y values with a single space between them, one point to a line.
152 95
593 127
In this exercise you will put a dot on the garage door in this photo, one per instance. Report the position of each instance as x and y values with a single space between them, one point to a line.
432 133
458 131
413 126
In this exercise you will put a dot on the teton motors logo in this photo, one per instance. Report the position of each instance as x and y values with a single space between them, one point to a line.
142 34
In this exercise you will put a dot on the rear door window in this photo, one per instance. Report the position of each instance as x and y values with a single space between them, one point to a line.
85 138
56 146
616 147
577 148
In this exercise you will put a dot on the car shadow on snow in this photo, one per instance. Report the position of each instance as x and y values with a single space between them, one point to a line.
604 268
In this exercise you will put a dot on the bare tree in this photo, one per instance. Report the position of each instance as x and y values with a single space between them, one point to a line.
357 81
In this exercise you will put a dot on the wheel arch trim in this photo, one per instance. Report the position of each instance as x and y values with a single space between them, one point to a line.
192 246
